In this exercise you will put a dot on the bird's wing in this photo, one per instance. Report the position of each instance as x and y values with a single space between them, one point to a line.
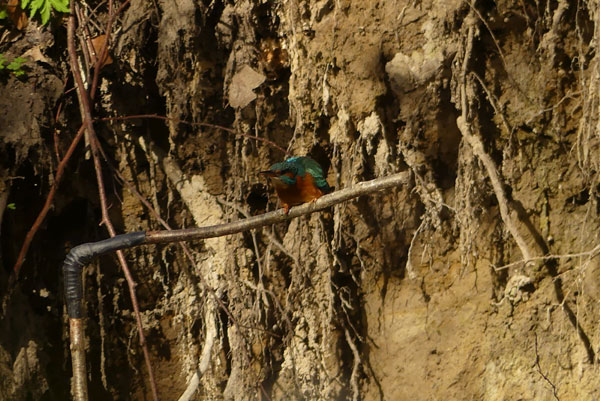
314 169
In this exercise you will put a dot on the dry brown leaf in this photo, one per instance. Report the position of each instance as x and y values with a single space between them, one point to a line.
96 48
35 53
16 14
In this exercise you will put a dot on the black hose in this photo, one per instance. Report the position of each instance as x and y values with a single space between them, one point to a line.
81 255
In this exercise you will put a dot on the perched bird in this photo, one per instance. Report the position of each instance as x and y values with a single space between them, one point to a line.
297 180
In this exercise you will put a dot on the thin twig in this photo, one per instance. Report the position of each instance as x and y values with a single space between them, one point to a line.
84 38
592 253
409 266
504 64
104 51
476 11
49 199
56 119
176 121
494 103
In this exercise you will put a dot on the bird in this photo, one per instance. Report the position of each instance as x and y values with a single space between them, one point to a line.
297 180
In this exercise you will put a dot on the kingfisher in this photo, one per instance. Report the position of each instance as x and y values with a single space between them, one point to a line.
297 180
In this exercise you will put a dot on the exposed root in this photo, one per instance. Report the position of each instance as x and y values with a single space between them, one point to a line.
508 214
355 366
205 357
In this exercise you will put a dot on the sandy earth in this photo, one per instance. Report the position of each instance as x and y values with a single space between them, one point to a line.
410 294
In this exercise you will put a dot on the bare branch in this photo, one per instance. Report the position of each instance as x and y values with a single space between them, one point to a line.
49 199
278 216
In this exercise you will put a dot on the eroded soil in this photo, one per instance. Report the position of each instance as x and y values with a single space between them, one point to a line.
417 293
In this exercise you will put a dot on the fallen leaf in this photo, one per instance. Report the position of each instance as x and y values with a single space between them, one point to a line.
96 48
35 53
243 83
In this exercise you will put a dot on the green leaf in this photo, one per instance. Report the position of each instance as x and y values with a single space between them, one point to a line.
45 12
45 7
16 63
15 66
62 6
15 69
11 206
35 5
3 13
2 61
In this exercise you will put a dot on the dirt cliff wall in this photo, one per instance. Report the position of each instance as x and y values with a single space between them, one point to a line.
417 293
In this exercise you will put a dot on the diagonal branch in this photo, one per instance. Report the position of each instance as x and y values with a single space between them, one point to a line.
38 221
278 216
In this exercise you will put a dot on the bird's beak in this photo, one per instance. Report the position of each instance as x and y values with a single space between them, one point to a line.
268 173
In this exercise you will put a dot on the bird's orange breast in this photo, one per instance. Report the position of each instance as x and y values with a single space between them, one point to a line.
304 190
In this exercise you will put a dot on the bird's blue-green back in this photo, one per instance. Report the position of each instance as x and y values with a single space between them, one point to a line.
299 166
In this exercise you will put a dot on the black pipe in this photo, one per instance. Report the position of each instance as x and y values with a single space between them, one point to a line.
80 255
